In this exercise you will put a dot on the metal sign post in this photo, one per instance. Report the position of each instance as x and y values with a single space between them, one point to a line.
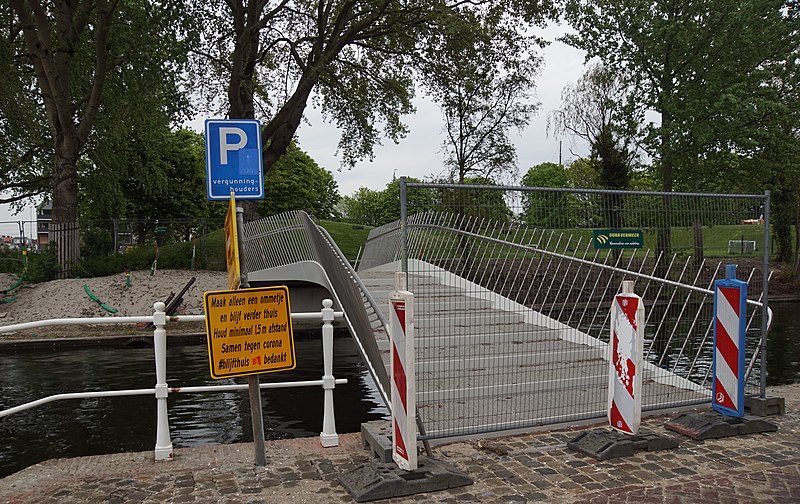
404 410
625 364
730 310
249 331
234 169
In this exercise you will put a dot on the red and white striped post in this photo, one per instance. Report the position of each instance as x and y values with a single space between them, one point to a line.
625 363
404 408
730 311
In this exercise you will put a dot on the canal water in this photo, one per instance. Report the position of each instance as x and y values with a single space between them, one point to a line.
96 426
109 425
783 344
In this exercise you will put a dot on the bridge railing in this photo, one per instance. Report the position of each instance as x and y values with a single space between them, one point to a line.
161 390
293 237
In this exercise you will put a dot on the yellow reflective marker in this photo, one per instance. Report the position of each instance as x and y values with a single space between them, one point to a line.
232 245
249 331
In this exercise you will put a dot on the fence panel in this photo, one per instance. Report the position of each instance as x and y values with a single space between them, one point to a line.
68 245
514 288
91 242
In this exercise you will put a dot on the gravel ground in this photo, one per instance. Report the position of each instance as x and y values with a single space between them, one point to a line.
67 298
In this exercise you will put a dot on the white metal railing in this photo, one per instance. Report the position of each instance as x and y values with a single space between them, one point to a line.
163 447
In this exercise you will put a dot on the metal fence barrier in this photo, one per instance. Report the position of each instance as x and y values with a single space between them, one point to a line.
514 287
161 391
101 238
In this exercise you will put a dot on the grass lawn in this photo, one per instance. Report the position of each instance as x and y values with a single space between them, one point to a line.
349 237
717 241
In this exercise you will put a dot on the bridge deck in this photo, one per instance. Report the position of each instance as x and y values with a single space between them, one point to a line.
480 364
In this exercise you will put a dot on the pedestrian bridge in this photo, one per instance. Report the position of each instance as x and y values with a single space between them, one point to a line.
509 335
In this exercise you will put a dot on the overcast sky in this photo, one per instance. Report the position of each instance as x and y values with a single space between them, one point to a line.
419 153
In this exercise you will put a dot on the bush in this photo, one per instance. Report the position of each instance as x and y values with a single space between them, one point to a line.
42 267
10 261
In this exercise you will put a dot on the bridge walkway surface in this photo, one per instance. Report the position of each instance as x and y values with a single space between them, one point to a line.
532 467
479 357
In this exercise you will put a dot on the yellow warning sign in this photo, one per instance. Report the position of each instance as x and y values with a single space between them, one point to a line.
249 331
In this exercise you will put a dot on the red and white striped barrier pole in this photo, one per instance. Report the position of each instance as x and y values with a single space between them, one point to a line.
730 311
404 407
625 365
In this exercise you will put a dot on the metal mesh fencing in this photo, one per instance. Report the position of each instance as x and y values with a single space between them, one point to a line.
514 289
103 247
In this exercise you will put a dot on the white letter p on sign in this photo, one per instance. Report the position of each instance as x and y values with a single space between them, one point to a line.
224 146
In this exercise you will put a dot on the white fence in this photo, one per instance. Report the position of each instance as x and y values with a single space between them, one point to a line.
163 446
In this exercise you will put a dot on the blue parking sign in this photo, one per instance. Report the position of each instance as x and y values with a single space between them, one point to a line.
233 159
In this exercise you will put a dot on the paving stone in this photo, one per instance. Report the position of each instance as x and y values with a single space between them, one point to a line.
763 468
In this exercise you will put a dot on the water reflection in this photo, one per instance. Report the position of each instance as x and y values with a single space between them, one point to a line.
96 426
692 357
783 346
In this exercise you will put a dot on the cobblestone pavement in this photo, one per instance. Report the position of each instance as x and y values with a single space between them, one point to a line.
535 467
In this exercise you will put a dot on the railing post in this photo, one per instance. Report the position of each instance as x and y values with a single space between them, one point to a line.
328 437
765 299
403 226
163 449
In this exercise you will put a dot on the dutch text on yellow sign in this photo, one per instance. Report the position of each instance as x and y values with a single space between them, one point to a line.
232 245
249 331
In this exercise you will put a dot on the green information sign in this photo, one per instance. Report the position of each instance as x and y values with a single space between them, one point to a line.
618 238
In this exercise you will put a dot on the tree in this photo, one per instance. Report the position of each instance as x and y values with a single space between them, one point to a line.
706 67
479 204
545 208
297 182
68 55
418 199
481 70
356 59
164 179
160 178
25 144
365 206
594 110
55 42
271 57
699 64
175 184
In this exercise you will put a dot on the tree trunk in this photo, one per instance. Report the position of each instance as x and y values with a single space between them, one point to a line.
278 133
796 269
665 105
699 249
782 217
65 180
240 87
665 225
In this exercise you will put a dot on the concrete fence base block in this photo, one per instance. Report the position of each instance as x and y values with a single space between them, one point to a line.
765 406
379 480
377 438
604 444
712 425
